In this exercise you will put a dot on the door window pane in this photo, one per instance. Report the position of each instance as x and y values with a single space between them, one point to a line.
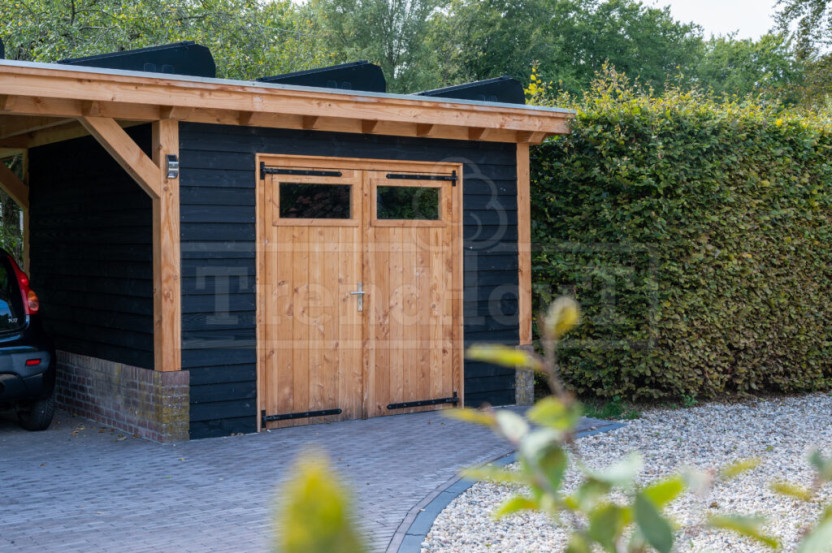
315 201
407 202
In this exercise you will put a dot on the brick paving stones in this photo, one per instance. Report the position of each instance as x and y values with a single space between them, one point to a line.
81 487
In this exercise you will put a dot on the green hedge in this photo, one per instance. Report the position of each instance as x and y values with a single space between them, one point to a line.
696 236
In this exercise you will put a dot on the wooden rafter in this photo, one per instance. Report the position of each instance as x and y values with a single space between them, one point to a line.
13 186
125 151
12 126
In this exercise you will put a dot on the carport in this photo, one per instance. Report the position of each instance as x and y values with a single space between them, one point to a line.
151 209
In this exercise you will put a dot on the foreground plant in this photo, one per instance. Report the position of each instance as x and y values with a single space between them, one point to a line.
607 509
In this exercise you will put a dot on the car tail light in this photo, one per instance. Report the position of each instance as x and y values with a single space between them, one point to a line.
31 304
32 362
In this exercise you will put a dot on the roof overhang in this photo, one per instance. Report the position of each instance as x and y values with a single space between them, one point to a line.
41 101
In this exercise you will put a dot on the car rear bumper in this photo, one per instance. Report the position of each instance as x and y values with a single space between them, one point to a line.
21 382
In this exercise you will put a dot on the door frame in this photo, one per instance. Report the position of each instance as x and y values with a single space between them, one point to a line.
365 196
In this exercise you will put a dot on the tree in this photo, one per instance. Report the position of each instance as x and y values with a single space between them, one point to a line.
809 23
569 39
248 38
766 66
390 33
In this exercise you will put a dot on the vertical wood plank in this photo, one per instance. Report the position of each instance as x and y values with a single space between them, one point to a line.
524 244
350 361
437 314
455 254
167 302
396 315
423 312
409 317
330 323
300 327
316 313
281 297
261 312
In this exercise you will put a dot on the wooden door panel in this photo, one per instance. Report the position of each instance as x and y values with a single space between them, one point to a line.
317 351
410 265
313 332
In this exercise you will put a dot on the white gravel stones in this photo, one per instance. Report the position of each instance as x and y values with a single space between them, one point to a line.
780 432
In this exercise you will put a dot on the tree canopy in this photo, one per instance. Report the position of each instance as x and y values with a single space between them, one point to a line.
422 44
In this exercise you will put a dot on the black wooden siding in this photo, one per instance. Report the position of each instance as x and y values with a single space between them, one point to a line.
217 193
91 240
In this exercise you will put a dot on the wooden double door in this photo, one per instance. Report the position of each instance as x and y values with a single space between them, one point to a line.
359 289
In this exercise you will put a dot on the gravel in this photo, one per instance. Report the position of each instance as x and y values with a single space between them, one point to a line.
780 432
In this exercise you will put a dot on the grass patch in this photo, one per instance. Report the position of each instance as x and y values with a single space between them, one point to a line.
610 409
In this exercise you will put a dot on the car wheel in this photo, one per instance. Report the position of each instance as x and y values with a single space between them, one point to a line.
37 415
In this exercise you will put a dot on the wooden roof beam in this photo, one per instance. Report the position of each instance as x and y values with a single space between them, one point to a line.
126 152
13 125
13 186
138 93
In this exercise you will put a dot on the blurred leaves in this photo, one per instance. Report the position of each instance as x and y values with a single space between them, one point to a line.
315 512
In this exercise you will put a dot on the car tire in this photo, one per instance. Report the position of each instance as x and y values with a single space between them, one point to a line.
36 415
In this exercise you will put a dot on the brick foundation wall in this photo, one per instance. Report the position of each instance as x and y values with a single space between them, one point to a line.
524 384
152 404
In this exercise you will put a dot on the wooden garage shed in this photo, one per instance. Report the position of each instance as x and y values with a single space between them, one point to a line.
219 256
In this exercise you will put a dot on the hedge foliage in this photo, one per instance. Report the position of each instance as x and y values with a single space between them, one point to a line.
697 237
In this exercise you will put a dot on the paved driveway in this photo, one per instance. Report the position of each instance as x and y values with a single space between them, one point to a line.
79 487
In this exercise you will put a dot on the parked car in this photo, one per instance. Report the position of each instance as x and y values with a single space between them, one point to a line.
27 355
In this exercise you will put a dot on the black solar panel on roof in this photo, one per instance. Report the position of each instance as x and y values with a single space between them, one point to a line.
502 89
182 58
359 75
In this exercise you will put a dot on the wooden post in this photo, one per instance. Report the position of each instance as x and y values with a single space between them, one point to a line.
167 310
524 244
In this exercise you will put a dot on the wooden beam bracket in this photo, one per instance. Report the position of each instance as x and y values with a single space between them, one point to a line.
14 187
126 152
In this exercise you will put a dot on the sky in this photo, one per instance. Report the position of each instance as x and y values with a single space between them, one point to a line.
751 18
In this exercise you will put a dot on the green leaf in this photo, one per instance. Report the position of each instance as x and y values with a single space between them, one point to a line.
503 355
735 469
556 414
819 539
588 494
495 474
516 504
606 523
792 490
750 527
822 465
577 544
553 463
315 514
475 416
512 426
655 528
537 442
664 491
620 474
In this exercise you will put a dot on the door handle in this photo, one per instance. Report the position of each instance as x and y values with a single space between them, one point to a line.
360 293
